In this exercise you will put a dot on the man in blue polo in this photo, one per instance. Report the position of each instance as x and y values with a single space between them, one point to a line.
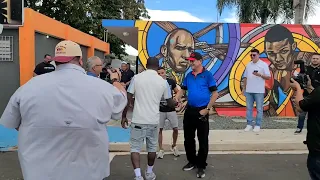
202 94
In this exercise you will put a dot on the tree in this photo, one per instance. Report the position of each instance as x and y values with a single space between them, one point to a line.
86 15
264 10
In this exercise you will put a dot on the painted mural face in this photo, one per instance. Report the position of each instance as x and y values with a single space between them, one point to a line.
178 46
280 54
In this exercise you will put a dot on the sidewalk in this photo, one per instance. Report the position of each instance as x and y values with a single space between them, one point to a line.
237 140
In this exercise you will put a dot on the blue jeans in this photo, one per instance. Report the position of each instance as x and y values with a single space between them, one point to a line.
301 118
250 99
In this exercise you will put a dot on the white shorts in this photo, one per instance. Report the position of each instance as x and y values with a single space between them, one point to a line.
171 116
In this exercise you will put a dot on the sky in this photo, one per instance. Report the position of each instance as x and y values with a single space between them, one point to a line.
189 11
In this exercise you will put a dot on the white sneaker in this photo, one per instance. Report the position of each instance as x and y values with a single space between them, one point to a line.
248 128
150 176
160 154
175 151
138 178
256 129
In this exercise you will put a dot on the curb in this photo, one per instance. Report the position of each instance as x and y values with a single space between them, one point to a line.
225 146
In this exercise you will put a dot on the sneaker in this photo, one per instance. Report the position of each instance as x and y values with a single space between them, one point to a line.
201 173
150 176
188 167
256 129
138 178
298 131
175 151
248 128
160 154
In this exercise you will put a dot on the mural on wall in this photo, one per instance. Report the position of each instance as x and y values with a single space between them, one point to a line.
226 51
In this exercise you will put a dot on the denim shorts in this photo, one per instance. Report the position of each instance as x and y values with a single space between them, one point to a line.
141 132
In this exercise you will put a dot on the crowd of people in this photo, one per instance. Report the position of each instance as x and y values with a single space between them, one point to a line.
61 113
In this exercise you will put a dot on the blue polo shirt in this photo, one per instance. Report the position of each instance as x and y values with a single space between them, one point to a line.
199 87
91 74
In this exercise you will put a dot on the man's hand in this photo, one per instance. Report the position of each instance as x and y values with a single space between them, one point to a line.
295 85
243 92
256 74
204 112
114 74
124 123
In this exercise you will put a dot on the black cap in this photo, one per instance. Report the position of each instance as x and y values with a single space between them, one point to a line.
194 56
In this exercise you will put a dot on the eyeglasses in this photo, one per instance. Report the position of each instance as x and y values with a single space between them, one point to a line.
253 55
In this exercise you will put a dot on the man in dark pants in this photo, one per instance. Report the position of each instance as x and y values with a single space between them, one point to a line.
312 71
311 105
202 94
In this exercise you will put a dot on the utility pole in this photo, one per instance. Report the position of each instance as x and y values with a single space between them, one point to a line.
299 7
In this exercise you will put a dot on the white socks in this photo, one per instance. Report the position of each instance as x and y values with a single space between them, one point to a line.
137 172
149 170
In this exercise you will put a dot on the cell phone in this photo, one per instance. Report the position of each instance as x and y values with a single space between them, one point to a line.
255 71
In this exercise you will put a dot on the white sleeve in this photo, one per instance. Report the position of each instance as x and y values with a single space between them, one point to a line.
11 117
245 74
120 101
167 92
266 71
131 88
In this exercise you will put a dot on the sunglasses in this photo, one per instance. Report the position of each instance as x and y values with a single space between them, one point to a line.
253 55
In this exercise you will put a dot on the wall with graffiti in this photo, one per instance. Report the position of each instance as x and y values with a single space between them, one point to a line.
226 51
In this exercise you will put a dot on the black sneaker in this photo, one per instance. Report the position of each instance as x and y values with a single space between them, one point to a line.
188 167
200 173
298 131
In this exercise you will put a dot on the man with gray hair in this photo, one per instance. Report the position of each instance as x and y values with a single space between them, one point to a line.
61 118
94 66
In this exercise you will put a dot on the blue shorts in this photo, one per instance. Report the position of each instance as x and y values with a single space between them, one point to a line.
141 132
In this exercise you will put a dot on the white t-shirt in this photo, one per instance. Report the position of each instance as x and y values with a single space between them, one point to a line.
256 84
61 118
148 88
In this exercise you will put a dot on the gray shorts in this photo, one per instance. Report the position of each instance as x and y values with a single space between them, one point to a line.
171 116
141 132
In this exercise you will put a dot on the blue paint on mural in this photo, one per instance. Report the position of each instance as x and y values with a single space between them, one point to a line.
9 137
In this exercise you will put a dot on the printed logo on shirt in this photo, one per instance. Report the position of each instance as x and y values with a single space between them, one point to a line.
48 68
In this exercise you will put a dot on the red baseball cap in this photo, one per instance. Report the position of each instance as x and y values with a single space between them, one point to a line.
194 56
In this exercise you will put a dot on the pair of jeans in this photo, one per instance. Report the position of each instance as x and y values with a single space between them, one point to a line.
192 123
313 164
250 99
301 118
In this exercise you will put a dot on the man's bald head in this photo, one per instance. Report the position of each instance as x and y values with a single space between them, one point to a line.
178 45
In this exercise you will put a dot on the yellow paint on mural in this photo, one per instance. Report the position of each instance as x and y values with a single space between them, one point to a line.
143 28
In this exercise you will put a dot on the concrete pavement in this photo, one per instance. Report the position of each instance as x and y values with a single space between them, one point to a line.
221 166
237 140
